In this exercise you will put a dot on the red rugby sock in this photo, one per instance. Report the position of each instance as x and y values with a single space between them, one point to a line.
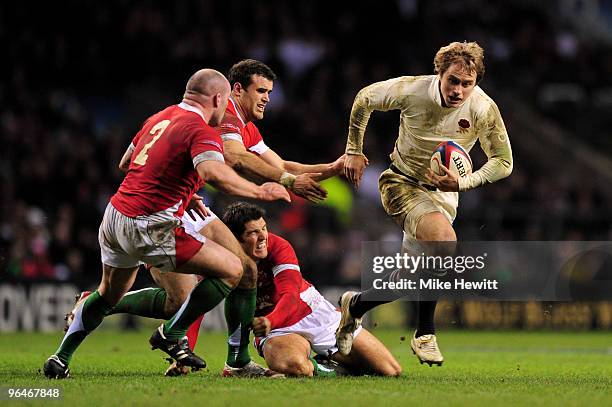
193 331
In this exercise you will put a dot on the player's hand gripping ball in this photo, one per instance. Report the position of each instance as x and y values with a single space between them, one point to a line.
452 156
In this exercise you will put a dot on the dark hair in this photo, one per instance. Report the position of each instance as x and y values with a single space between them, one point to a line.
244 70
239 213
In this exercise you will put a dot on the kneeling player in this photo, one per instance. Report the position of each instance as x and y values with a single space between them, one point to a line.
292 317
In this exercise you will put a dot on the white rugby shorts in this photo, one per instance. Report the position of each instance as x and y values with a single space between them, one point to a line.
318 327
199 223
159 239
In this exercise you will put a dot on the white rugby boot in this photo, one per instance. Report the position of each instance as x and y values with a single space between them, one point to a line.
348 324
425 347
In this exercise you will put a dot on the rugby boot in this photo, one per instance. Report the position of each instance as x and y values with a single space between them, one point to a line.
425 347
55 368
348 324
176 349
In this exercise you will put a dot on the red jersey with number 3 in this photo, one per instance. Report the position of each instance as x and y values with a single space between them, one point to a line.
165 153
233 127
280 285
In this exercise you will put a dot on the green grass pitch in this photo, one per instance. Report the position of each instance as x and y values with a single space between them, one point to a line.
481 368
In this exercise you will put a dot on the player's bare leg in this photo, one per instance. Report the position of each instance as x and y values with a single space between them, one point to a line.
175 288
152 302
433 227
368 354
289 355
239 305
223 271
88 316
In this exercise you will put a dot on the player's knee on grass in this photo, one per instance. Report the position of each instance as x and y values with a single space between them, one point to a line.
369 355
292 366
390 368
288 354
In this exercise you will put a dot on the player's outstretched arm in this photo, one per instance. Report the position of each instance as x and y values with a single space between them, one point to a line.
304 185
241 160
327 170
226 179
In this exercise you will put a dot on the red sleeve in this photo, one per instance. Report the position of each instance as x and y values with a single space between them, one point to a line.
287 280
255 135
231 128
253 141
281 253
287 284
205 145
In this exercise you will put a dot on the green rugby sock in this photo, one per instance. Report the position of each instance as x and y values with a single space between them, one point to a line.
87 318
239 311
204 297
148 302
323 371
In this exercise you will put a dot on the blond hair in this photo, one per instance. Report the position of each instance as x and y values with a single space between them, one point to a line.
468 54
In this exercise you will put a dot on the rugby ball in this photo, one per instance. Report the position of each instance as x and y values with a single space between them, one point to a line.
453 157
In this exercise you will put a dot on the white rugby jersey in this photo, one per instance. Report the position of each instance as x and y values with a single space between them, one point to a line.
424 123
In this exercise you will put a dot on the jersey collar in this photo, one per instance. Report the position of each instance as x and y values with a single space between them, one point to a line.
236 111
190 108
434 91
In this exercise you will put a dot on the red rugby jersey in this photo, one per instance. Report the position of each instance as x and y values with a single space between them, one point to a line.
233 127
279 285
162 171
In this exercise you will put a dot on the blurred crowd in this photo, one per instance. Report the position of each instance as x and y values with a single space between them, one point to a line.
79 78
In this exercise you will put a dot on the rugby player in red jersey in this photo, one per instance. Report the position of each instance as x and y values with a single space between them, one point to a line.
292 317
246 151
175 151
244 148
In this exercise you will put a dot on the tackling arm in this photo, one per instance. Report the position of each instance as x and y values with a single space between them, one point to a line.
241 160
226 179
245 162
326 170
